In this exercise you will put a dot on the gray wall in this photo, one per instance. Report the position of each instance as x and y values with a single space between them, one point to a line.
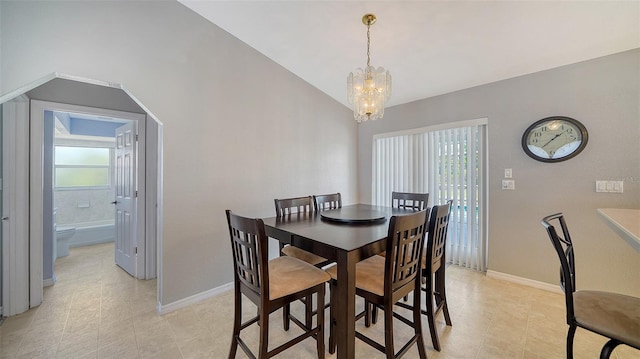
604 94
239 130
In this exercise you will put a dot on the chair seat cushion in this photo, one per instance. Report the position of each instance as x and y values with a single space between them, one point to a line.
369 274
288 275
613 315
303 255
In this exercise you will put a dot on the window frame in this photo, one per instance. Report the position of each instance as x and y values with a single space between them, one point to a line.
110 167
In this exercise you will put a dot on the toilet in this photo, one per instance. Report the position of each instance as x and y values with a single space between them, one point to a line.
63 234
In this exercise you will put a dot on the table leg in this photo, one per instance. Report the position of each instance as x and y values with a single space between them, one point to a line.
346 306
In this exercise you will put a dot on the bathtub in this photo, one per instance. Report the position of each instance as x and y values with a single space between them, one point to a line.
89 233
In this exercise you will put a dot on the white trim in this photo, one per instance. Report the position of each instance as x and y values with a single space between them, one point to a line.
36 181
443 126
36 197
182 303
159 211
141 210
13 259
20 91
524 281
55 75
15 250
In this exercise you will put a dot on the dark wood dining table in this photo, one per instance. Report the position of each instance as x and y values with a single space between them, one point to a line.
346 235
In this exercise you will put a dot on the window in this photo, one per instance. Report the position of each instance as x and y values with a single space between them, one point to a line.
449 164
79 167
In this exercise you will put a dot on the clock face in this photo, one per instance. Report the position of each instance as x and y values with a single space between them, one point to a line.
554 139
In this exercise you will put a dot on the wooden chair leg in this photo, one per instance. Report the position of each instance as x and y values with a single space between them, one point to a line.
320 323
237 318
388 331
332 318
286 310
428 299
417 323
308 312
367 313
374 315
263 348
570 335
442 294
445 310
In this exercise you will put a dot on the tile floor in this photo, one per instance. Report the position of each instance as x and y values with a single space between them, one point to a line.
96 310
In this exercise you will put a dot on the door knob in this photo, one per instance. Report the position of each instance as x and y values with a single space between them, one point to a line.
5 218
114 202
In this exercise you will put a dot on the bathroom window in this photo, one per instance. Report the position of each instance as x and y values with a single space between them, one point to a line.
82 167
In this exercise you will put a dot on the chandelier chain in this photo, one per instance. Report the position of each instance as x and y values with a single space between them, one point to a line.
368 43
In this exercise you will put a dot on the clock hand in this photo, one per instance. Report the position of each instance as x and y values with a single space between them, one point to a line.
554 137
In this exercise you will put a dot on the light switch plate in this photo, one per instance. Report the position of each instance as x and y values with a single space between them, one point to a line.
610 186
508 173
508 184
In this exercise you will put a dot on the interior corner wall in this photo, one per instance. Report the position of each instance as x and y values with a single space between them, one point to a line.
239 130
603 94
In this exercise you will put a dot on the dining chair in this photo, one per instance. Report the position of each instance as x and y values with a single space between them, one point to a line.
269 284
407 200
298 206
383 281
294 207
611 315
325 202
434 269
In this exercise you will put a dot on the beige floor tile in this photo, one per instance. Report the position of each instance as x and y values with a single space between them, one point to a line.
96 310
81 346
10 343
111 332
125 347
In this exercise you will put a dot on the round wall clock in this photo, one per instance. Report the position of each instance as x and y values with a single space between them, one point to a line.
554 139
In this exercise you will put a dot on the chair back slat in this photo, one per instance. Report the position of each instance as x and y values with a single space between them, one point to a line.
411 201
249 245
437 238
564 249
405 241
327 201
297 205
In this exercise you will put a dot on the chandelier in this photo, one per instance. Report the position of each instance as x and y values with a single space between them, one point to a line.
369 89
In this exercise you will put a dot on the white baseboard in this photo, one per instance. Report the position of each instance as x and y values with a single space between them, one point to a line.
90 242
524 281
182 303
49 282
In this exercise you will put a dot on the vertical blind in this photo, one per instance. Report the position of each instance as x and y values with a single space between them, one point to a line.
449 164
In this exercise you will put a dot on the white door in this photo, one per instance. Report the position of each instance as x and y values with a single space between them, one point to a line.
126 201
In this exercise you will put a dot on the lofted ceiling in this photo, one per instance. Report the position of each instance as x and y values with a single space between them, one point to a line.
430 47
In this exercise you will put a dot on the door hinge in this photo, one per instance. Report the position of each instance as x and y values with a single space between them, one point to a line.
136 194
136 250
137 137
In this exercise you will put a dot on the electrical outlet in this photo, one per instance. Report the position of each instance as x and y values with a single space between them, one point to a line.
610 186
508 184
618 186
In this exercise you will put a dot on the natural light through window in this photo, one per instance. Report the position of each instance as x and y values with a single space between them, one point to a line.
82 167
449 163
